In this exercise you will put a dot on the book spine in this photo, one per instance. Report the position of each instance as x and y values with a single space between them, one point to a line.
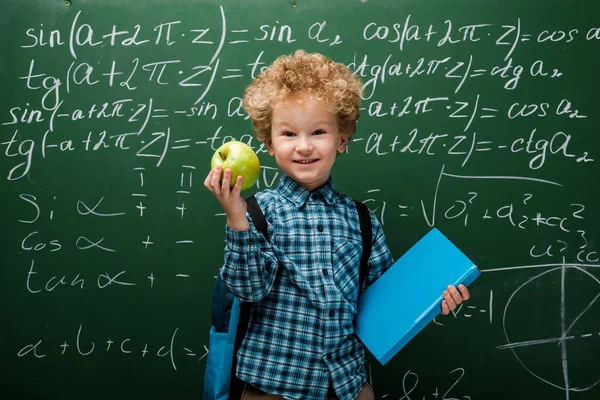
468 277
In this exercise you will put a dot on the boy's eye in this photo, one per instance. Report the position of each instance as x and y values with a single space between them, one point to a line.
319 132
288 133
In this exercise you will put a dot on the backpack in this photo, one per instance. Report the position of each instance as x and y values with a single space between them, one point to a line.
230 317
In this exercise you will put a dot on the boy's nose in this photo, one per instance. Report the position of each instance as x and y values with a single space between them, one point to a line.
303 145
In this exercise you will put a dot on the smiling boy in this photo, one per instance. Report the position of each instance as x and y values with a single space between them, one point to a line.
304 281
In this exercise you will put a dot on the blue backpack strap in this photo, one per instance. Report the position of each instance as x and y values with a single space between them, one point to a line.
236 386
367 240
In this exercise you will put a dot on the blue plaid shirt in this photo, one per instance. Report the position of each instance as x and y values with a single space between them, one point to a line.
305 286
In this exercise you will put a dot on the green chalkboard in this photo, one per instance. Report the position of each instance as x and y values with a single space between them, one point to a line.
479 118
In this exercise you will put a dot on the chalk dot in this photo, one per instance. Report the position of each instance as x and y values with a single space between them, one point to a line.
143 142
180 72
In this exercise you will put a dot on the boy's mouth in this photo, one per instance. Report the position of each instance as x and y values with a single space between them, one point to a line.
312 160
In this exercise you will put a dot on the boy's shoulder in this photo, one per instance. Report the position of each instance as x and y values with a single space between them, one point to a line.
266 196
266 199
343 199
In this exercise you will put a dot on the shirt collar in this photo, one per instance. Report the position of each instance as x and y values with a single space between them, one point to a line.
298 196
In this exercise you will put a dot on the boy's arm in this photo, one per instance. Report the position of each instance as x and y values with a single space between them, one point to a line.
219 184
250 265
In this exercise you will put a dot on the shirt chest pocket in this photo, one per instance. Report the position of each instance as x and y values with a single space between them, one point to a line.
346 268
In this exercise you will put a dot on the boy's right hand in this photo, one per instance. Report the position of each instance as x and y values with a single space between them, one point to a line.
230 199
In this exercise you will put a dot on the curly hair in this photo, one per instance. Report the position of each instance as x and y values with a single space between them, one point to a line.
304 73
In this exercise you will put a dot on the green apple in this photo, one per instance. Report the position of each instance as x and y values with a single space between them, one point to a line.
241 159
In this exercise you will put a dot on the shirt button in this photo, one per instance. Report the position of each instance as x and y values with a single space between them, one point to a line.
316 196
250 241
331 313
320 228
325 272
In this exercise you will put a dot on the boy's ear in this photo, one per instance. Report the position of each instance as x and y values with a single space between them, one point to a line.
343 143
269 147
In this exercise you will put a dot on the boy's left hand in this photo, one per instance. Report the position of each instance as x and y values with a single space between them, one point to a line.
453 298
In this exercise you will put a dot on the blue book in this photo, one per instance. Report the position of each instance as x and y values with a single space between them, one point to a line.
408 295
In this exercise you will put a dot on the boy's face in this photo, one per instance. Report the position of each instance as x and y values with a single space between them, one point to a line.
305 140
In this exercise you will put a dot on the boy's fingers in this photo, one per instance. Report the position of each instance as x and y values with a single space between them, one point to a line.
225 184
464 292
208 179
456 296
445 310
216 178
449 300
237 188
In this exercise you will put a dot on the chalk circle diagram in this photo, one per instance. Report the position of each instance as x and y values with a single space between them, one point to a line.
560 346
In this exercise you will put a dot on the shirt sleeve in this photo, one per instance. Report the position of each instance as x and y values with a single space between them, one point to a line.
381 258
250 264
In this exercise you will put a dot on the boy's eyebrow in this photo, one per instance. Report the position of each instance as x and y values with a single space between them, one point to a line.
282 125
